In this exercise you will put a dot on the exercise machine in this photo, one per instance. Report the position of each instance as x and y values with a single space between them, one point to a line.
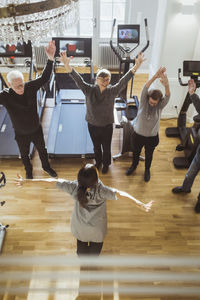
128 39
188 136
68 132
2 227
8 145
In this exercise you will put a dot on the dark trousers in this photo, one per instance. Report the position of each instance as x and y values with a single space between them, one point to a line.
149 144
101 138
24 141
88 248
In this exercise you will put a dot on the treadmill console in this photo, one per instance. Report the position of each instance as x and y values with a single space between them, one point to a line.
16 50
77 47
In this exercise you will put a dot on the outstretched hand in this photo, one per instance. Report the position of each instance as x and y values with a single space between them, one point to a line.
50 50
19 180
148 206
164 79
160 72
191 86
139 59
65 60
162 75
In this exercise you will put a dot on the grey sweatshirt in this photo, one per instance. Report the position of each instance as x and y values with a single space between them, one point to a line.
100 106
89 224
147 121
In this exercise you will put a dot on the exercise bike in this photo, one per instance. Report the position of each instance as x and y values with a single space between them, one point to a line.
127 35
188 136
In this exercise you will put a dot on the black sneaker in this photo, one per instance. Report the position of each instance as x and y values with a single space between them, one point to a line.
105 169
179 189
130 170
29 175
51 172
147 175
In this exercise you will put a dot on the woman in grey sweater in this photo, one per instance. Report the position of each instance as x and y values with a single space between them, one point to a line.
89 217
100 100
147 123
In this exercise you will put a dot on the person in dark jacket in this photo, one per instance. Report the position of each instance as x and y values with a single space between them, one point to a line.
20 100
100 100
195 164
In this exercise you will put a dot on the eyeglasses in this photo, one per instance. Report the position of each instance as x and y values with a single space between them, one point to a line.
106 79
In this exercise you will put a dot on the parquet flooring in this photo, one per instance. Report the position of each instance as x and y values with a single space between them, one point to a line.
39 217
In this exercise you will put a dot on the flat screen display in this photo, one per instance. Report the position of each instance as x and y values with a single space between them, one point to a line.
128 34
77 47
16 50
73 48
191 68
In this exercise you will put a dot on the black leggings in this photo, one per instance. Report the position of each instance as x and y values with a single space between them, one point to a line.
101 138
149 144
24 142
88 248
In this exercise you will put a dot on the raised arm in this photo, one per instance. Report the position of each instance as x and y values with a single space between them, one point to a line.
84 86
66 61
138 61
193 96
160 71
191 87
143 206
165 83
51 50
46 74
124 80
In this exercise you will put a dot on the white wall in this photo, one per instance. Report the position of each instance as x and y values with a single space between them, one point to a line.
177 38
138 11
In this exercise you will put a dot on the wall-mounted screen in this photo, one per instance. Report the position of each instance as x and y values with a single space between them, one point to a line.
191 68
16 50
128 34
77 47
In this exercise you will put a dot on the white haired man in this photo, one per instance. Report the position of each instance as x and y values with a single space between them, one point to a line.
20 100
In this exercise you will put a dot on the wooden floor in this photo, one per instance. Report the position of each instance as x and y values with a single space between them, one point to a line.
39 219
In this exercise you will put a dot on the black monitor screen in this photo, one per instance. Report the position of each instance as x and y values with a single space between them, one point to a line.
128 34
191 67
74 48
77 47
16 50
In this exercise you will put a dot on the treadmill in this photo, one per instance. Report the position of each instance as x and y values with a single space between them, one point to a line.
68 133
8 145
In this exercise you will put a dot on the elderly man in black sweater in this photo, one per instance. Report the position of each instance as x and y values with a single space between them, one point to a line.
20 100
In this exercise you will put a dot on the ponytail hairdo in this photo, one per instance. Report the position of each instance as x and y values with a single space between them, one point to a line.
87 177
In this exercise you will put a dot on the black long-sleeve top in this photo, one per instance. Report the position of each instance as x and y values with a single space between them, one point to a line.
196 101
22 109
